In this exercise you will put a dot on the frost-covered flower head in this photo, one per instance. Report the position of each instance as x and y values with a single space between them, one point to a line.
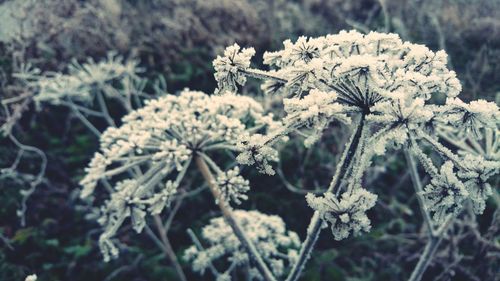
445 193
143 161
81 80
277 246
481 156
347 215
384 89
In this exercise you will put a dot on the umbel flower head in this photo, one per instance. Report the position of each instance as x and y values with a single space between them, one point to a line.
384 89
445 193
81 80
143 161
347 215
277 246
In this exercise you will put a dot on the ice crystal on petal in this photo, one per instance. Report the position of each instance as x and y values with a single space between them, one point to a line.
268 233
316 111
347 215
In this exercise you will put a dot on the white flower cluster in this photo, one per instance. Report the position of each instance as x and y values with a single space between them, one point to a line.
233 186
255 152
480 155
445 193
380 85
148 155
82 79
347 215
277 246
472 117
228 67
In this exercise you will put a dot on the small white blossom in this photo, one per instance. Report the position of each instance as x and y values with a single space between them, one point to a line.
256 152
233 186
228 67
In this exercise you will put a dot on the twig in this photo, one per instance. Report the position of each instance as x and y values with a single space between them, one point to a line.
231 221
167 247
314 227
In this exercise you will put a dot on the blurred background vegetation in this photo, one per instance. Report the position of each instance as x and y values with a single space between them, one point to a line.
178 39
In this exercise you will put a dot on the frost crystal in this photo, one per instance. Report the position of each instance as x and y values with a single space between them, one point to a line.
142 162
276 245
347 215
445 194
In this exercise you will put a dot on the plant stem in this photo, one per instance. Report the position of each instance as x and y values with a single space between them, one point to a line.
104 109
425 258
314 228
417 185
430 251
231 221
167 248
259 74
86 122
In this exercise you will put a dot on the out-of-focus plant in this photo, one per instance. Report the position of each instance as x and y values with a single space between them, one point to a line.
277 246
381 87
177 38
86 89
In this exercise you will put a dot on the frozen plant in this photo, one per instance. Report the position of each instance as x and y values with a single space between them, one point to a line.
473 149
87 88
385 90
81 80
347 214
142 163
277 246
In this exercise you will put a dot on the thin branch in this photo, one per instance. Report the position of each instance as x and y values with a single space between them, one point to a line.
167 247
314 227
417 185
231 221
198 245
